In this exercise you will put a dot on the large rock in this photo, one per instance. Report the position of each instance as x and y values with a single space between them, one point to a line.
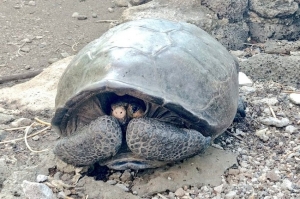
39 92
201 169
273 8
232 10
265 67
262 29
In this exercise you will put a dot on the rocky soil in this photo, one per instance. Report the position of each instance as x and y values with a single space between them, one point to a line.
258 157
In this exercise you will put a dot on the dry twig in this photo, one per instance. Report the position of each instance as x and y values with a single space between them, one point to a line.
106 21
272 111
42 122
25 139
4 79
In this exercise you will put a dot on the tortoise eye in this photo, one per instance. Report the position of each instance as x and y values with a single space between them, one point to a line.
135 108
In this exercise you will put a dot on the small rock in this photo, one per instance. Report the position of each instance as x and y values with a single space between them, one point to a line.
136 2
111 182
62 166
270 101
123 187
41 178
94 15
21 122
115 176
287 184
218 189
36 138
295 98
134 192
75 14
110 10
179 192
126 176
273 176
61 195
64 54
39 37
237 53
52 60
43 44
31 3
27 40
4 118
27 67
34 190
3 135
17 6
122 3
81 17
262 134
290 129
271 121
244 80
25 49
230 195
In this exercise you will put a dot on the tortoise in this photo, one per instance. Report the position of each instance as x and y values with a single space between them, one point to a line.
146 93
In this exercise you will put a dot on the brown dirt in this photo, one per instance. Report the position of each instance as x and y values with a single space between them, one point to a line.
50 29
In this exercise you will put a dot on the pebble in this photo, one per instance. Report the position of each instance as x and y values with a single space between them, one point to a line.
41 178
110 10
271 121
27 40
126 176
295 98
81 17
123 187
218 189
25 49
111 182
244 80
273 176
290 129
4 118
52 60
36 138
31 3
20 122
136 2
3 135
287 184
262 134
270 101
121 3
115 176
230 195
64 54
94 15
34 190
75 14
17 6
179 192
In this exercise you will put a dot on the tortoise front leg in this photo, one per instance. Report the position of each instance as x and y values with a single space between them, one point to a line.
96 141
157 140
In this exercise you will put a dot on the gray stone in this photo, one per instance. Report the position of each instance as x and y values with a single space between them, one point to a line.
25 49
21 122
179 192
287 184
110 10
280 46
262 134
232 10
273 8
64 54
111 182
4 171
202 169
123 187
3 135
244 80
290 129
36 138
136 2
34 190
121 3
277 68
273 176
5 118
230 195
94 15
126 176
81 17
271 121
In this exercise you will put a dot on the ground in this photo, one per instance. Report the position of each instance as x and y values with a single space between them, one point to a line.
33 35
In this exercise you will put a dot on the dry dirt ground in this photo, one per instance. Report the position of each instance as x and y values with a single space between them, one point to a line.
34 33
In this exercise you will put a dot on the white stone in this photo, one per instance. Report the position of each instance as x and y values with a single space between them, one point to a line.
295 98
218 189
248 89
271 121
34 190
262 134
41 178
75 14
287 184
244 80
179 192
290 129
270 101
230 195
21 122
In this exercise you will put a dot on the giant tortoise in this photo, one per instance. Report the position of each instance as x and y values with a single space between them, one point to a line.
146 93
